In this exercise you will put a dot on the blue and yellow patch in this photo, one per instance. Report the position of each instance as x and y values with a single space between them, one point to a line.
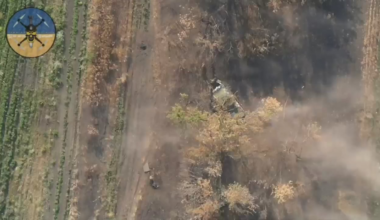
31 32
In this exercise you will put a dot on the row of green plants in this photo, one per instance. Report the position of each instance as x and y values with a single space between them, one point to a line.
7 56
16 140
6 89
70 75
11 96
7 9
54 76
55 80
61 167
25 148
9 117
111 175
8 146
21 149
59 183
74 27
47 185
79 72
141 14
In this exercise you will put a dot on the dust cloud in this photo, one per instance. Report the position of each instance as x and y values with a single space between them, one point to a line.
316 64
338 162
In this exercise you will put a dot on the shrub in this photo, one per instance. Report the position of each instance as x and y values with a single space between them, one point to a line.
239 199
284 192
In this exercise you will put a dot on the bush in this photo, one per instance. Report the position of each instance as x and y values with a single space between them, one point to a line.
239 199
186 116
284 192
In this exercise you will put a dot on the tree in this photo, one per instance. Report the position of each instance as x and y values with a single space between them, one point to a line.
219 135
186 116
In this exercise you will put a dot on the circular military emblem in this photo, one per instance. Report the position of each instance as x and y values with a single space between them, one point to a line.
31 32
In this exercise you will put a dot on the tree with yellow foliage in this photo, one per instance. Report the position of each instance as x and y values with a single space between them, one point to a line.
220 135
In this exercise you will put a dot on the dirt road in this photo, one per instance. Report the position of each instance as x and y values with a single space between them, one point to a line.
139 119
